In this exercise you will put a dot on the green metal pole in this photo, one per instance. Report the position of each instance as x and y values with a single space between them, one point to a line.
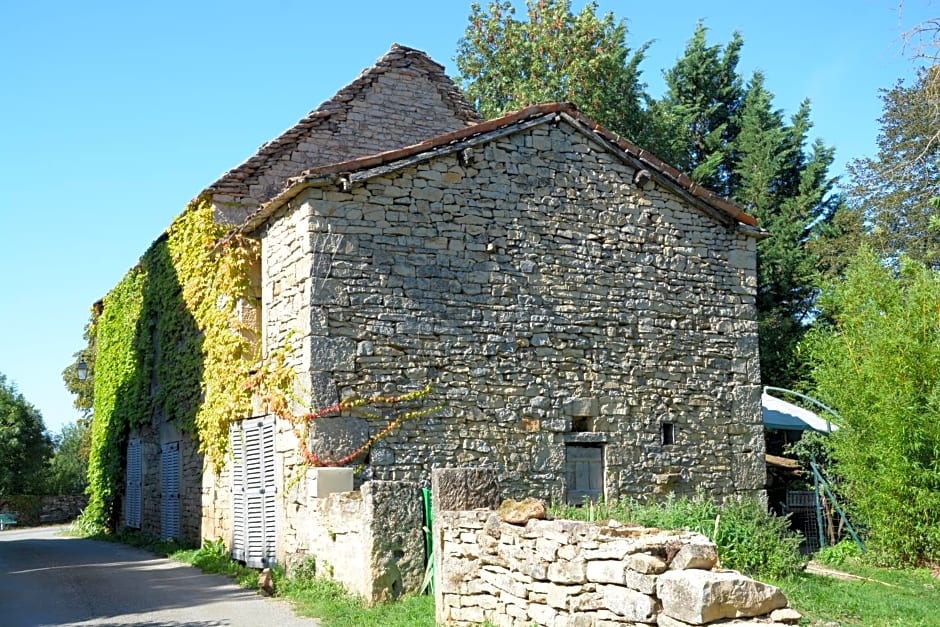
819 518
825 484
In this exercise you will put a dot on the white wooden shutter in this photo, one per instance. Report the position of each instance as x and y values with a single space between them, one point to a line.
170 491
584 466
239 535
133 488
254 527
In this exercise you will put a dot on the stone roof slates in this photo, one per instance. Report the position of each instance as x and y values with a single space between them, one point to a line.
234 181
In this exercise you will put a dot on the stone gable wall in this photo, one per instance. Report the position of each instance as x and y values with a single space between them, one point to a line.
400 107
547 298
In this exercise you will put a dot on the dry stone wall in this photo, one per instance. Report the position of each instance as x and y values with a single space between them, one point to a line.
550 301
576 574
191 492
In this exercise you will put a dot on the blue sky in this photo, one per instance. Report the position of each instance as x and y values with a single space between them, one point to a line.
113 115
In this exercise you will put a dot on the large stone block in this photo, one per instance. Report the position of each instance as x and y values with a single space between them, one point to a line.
699 596
459 489
630 604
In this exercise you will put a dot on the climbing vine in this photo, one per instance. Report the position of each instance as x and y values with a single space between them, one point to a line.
170 344
175 342
273 385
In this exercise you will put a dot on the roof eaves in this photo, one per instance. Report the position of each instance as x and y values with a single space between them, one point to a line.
364 167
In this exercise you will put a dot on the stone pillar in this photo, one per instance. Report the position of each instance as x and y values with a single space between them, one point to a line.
454 490
394 522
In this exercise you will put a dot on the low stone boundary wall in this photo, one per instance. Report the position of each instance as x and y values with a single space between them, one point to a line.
371 541
43 510
563 573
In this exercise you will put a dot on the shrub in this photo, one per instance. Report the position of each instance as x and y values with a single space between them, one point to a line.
749 538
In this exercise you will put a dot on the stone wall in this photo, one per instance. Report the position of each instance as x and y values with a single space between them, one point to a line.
44 510
401 100
580 574
192 465
551 302
371 540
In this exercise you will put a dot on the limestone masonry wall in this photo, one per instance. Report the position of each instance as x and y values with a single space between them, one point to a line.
404 99
550 301
370 540
577 574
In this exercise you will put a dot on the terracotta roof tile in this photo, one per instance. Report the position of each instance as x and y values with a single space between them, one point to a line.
642 158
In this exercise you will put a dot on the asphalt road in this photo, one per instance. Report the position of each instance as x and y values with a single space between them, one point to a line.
49 579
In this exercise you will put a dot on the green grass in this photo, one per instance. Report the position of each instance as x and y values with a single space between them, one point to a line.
911 600
335 607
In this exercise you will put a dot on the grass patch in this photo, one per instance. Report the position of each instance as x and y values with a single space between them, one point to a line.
328 601
911 598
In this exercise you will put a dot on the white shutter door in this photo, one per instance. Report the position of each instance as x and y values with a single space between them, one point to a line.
253 493
239 533
170 491
133 489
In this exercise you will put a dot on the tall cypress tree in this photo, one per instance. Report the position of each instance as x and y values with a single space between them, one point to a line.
696 118
787 188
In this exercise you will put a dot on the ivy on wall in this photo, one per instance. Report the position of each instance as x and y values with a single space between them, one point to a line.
172 347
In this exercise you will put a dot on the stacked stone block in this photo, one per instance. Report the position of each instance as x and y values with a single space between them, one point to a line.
577 574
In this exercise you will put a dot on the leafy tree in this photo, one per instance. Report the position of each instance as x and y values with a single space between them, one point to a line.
895 190
554 55
877 362
84 391
24 444
68 468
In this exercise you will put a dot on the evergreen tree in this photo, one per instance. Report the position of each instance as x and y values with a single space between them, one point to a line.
894 191
787 189
695 121
554 55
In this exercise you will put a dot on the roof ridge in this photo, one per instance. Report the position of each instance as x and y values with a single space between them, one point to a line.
639 156
338 104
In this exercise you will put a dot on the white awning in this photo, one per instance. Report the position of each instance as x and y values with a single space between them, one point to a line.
779 414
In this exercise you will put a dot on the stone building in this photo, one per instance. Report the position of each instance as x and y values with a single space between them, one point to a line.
585 313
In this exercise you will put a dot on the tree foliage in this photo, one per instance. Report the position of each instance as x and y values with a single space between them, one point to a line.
877 362
724 134
25 446
554 55
894 191
696 119
787 188
68 469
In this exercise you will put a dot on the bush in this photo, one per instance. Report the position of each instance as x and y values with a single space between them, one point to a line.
749 538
